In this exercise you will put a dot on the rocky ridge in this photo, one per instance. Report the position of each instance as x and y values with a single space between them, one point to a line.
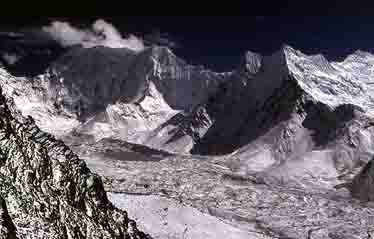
47 191
128 95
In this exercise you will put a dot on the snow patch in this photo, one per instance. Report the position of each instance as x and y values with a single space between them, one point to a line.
164 218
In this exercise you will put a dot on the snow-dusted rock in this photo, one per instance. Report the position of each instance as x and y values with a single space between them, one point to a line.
111 92
292 102
362 186
46 191
7 228
295 119
252 62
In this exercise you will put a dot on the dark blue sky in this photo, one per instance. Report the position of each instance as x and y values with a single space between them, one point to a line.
219 42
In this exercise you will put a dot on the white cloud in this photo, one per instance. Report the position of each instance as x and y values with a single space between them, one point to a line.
101 33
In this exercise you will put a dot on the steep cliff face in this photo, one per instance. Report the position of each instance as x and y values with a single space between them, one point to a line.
362 186
290 116
215 123
84 81
47 191
265 93
182 85
87 80
111 92
7 228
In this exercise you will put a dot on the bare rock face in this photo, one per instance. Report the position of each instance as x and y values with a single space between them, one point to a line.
252 62
284 106
107 92
109 74
294 119
7 228
183 85
47 191
85 81
362 186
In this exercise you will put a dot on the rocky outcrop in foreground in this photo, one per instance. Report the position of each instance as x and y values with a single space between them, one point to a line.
7 228
362 186
46 191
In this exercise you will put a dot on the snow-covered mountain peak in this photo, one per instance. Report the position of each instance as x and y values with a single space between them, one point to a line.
284 83
334 84
106 91
359 55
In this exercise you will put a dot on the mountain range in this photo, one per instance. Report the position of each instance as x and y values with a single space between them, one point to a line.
279 147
